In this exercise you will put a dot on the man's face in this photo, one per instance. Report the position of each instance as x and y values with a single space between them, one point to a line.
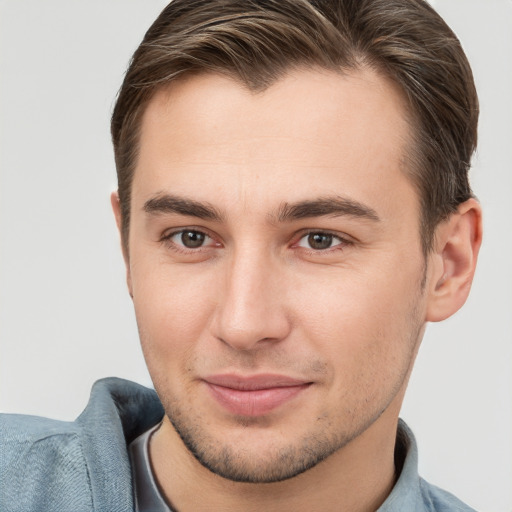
276 266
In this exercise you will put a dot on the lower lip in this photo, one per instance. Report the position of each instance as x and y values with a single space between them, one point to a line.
255 402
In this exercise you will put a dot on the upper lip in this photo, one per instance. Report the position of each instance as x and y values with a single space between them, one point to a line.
254 382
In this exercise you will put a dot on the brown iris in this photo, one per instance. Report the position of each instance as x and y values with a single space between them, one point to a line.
320 240
192 239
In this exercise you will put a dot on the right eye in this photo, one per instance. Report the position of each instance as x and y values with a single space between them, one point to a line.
189 239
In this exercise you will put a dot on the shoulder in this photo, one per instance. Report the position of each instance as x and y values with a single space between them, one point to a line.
76 466
439 500
42 465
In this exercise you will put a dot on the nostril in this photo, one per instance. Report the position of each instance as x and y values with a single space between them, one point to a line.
246 341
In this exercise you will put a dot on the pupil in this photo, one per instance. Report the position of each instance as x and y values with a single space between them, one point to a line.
192 239
319 241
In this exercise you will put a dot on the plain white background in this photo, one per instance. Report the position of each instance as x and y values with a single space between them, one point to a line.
65 317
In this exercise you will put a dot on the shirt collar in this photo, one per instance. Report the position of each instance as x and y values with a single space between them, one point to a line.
406 494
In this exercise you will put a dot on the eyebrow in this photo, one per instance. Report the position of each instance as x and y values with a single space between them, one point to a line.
168 203
326 206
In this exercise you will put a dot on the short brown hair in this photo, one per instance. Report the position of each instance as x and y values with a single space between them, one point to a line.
258 41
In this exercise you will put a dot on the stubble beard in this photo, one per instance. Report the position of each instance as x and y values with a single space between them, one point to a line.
276 462
279 463
273 464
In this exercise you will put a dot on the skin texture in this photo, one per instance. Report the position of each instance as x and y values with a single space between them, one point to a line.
335 296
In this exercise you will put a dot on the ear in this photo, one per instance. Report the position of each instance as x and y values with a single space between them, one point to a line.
116 208
453 262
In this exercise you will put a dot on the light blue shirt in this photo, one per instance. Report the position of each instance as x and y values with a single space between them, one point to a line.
84 466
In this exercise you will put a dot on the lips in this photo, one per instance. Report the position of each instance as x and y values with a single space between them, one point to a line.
255 395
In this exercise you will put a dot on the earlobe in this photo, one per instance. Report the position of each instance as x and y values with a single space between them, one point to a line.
116 208
458 241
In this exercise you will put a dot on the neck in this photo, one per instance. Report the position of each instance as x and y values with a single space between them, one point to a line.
357 478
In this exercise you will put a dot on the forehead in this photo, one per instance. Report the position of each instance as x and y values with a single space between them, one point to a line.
308 133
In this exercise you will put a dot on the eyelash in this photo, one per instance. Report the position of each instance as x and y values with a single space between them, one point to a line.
343 242
166 239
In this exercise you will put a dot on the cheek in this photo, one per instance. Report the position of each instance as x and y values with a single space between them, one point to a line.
368 341
362 324
172 310
344 303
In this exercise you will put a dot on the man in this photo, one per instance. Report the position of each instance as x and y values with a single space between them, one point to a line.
294 207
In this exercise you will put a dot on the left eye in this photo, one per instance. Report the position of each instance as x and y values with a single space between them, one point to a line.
319 241
190 239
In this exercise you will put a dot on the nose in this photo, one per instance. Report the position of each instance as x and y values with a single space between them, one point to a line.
252 310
